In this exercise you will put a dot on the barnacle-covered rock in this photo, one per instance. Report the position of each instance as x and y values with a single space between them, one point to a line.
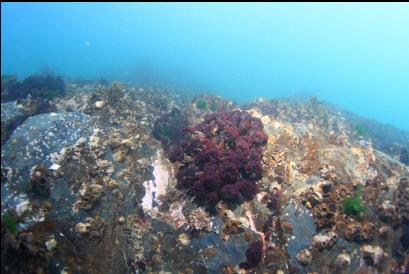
89 194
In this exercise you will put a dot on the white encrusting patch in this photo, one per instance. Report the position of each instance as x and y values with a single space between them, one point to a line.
157 187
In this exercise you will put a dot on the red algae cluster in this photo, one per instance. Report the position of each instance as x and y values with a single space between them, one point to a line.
221 159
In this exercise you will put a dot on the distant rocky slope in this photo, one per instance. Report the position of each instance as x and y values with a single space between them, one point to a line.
90 183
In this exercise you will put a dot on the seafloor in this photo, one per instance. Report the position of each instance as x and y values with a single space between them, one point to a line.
126 179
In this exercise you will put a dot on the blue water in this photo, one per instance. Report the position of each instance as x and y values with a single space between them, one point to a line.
353 55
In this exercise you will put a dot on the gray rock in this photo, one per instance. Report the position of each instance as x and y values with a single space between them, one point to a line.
33 141
233 250
302 232
192 255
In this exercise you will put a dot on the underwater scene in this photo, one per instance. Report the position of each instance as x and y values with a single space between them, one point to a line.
195 138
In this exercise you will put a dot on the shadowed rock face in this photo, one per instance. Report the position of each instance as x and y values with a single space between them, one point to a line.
402 198
169 129
404 156
404 238
11 117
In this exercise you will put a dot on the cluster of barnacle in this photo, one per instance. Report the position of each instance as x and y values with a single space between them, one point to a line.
355 231
93 228
324 215
325 203
221 159
88 196
324 206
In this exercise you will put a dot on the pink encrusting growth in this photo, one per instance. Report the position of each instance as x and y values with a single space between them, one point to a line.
256 250
221 158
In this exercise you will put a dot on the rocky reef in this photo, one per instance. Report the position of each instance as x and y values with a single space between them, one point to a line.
124 179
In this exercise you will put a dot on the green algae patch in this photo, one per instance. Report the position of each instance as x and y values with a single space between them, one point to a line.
354 205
